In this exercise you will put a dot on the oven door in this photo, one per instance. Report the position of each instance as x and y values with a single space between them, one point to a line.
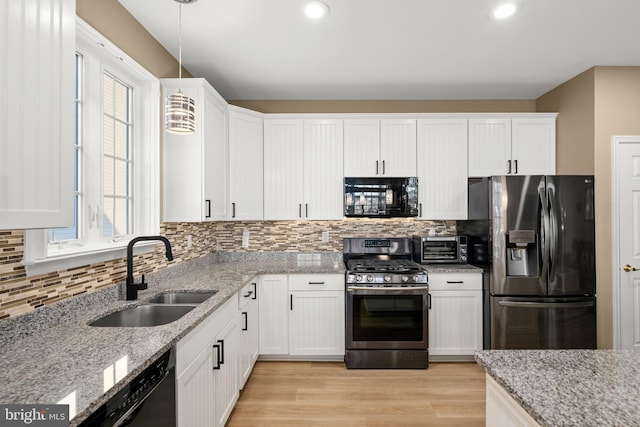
387 318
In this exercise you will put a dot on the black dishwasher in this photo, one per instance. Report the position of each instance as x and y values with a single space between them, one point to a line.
148 400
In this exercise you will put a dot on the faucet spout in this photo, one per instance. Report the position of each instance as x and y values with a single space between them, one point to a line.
132 287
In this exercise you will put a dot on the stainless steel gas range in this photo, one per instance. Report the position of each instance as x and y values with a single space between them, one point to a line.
387 305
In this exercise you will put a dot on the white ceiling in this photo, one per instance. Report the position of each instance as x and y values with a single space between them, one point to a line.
393 49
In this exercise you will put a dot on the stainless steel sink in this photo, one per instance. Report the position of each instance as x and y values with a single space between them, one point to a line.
182 297
143 315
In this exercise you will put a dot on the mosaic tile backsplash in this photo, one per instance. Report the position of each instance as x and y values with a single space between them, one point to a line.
20 294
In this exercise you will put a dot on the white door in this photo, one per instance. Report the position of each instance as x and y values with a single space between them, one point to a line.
273 312
533 146
626 177
316 320
489 147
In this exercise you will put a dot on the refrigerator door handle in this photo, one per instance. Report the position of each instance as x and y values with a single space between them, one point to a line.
553 232
531 304
544 233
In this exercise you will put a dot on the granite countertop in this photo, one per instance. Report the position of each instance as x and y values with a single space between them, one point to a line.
452 268
52 353
570 387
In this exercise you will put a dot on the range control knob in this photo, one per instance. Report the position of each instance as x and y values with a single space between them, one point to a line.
405 278
358 278
369 278
416 278
387 278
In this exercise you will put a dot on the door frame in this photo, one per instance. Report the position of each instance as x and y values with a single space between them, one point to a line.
616 142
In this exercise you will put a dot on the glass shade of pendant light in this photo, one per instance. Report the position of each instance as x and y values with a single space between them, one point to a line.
179 109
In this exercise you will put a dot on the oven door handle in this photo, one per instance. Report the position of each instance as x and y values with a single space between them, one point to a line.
387 288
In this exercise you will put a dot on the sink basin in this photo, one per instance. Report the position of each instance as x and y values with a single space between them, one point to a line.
182 297
143 315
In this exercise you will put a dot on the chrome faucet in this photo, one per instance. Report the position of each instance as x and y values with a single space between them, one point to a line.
132 287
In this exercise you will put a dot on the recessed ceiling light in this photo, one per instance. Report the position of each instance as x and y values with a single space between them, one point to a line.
504 11
316 9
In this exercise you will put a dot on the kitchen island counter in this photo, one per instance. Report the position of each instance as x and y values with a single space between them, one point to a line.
52 355
570 387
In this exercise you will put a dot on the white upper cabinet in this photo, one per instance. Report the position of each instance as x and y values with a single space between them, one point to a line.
376 148
512 146
245 164
283 168
37 75
442 168
195 166
302 169
398 147
323 180
533 146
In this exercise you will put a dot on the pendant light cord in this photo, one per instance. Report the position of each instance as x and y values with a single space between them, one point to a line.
180 48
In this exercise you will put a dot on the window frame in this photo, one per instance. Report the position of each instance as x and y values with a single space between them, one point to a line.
100 56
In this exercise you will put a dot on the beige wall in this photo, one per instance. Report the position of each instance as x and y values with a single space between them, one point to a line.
592 107
111 19
574 100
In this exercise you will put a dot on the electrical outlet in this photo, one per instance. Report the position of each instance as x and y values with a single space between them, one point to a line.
189 241
325 237
245 238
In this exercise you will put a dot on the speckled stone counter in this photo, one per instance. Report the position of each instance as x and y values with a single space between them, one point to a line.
570 387
52 353
452 268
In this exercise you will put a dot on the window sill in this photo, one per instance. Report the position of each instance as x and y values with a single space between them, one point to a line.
65 261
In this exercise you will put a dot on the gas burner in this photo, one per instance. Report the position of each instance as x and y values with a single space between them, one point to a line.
383 266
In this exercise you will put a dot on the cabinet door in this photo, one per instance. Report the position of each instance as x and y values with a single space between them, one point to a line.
533 146
316 320
455 323
215 159
323 169
249 347
283 168
489 147
194 392
398 148
37 121
362 148
225 371
442 168
273 308
245 166
195 166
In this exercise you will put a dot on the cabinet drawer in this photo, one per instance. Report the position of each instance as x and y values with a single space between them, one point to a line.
246 294
316 282
455 281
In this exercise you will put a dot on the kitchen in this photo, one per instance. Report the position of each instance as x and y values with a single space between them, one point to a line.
589 108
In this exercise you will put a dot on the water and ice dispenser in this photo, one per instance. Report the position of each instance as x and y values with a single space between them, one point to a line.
522 253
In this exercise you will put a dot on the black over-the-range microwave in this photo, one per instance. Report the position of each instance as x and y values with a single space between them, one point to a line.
381 197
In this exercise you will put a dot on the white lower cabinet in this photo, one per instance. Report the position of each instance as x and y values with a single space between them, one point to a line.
272 312
207 369
316 315
248 306
301 315
503 410
455 314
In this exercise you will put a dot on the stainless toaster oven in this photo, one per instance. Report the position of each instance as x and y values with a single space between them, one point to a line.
440 249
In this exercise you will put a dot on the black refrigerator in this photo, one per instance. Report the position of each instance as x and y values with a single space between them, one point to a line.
536 235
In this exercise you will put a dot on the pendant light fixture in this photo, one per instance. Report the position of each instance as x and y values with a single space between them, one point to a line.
179 109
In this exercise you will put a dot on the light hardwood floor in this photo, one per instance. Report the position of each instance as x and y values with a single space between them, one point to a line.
328 394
